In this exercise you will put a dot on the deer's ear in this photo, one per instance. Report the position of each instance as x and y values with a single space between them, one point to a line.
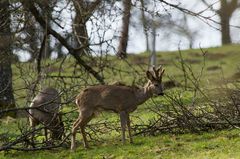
149 75
158 71
162 72
159 67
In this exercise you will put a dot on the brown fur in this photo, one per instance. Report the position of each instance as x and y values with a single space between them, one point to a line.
48 103
118 98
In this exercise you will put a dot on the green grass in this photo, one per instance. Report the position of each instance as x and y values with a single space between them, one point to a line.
221 144
212 145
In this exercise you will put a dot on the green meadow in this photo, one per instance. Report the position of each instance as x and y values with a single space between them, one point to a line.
213 68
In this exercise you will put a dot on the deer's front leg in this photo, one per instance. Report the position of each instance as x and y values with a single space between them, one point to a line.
32 124
129 128
123 119
46 134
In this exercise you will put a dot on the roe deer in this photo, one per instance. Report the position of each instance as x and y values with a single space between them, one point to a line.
46 111
120 99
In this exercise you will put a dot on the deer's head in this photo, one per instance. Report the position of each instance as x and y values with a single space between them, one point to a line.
155 80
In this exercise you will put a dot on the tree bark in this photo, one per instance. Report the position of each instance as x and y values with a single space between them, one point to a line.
84 10
122 48
225 30
80 28
31 30
153 57
145 28
6 91
225 12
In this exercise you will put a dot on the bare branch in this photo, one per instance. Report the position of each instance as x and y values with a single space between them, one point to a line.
205 19
71 50
210 5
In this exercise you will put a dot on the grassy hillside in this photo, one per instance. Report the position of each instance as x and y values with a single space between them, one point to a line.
215 68
212 145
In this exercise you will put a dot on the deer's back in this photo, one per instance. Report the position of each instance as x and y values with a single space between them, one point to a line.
108 97
47 103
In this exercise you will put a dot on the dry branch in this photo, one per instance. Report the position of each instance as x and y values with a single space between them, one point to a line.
30 6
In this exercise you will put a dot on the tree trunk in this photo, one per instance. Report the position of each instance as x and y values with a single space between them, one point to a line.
225 13
6 90
153 57
122 47
31 29
80 29
47 50
225 30
84 10
144 22
227 7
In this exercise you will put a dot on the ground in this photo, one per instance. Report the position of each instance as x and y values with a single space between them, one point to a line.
212 145
219 64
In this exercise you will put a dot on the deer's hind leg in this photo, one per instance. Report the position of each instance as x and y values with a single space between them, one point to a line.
74 131
123 119
33 123
83 119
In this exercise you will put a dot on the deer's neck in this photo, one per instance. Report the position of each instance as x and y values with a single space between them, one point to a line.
143 94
